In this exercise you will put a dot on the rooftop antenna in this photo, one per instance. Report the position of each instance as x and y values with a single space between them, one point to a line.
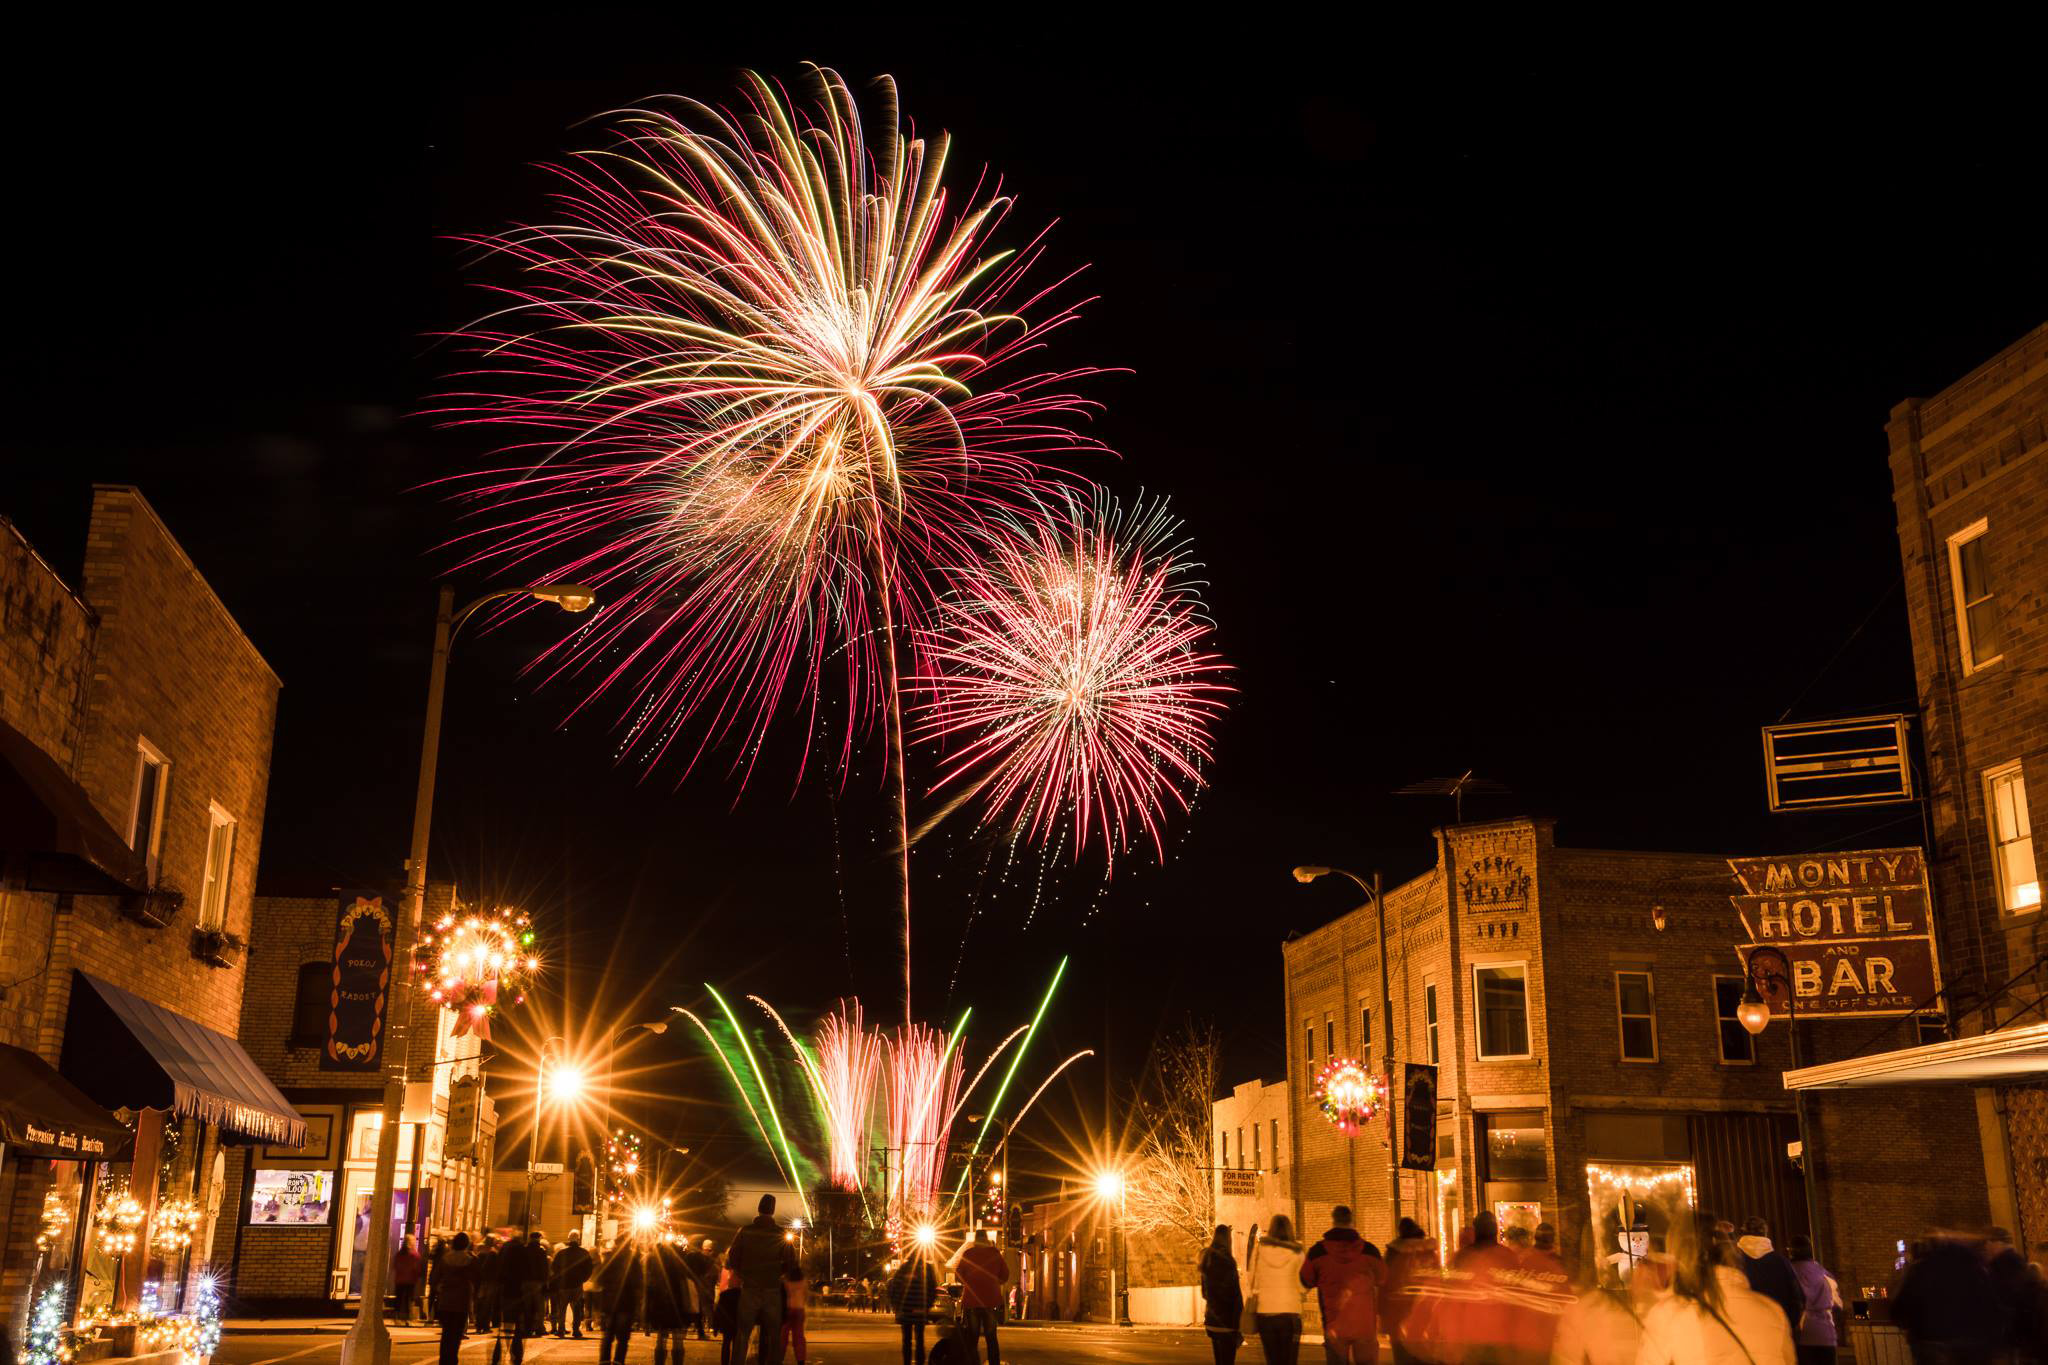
1456 788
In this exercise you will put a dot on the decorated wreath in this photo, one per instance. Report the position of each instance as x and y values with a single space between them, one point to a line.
1348 1094
475 963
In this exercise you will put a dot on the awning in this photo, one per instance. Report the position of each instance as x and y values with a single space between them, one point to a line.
129 1053
2003 1055
52 837
42 1114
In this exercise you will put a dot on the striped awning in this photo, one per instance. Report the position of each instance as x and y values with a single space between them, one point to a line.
130 1053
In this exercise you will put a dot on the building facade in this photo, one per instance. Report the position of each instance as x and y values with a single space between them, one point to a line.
1579 1008
135 740
1970 486
1253 1180
297 1215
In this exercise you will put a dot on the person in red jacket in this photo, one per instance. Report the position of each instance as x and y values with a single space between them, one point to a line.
983 1272
1346 1272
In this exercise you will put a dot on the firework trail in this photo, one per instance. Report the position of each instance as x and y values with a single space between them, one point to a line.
1025 1108
1030 1032
925 1070
725 1060
751 378
1073 678
848 1066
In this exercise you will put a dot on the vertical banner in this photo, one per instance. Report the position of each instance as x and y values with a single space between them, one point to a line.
1418 1130
364 940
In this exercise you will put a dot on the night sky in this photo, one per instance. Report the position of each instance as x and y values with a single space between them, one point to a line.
1522 424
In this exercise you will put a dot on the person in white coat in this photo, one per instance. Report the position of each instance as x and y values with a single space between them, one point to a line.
1712 1316
1276 1292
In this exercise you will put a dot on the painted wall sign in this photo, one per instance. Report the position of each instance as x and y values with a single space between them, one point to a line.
1856 928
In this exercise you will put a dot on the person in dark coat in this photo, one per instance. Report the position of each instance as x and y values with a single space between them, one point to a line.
670 1299
703 1267
622 1289
514 1266
486 1295
913 1289
454 1294
1769 1273
407 1270
1949 1307
758 1256
2022 1295
533 1288
1222 1297
566 1278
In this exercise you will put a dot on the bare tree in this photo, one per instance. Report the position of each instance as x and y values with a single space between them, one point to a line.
1171 1186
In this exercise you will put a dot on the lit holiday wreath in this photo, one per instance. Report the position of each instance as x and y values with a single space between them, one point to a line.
473 963
1349 1095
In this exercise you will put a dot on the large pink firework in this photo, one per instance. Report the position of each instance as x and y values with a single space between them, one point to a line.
1074 680
752 365
925 1071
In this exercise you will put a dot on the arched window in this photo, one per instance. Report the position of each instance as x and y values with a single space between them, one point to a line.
309 1005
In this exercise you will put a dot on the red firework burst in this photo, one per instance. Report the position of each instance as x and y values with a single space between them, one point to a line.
1073 677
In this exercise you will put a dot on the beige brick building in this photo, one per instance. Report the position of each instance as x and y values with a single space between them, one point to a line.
1579 1005
137 735
278 1265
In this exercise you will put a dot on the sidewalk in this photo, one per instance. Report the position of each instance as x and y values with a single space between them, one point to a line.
317 1327
1064 1325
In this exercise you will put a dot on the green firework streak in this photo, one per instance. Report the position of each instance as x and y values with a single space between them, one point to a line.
1004 1089
796 1178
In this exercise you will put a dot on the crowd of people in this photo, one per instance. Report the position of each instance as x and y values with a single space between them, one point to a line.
1713 1296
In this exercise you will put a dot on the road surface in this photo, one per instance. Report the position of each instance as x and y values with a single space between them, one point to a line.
836 1338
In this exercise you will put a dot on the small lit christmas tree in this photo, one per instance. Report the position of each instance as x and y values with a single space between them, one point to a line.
46 1330
206 1313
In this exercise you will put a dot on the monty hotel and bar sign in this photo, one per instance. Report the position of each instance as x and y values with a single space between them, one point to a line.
1855 928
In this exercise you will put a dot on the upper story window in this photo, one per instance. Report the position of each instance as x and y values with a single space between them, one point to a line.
1978 637
1276 1144
1500 1009
1738 1045
1364 1030
1429 1021
1636 1003
2012 838
1223 1148
220 863
1240 1149
1329 1035
1258 1161
1310 1055
146 810
310 1004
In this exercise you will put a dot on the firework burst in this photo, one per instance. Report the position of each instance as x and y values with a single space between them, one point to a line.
751 365
1073 679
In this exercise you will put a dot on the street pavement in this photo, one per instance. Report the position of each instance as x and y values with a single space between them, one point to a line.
836 1338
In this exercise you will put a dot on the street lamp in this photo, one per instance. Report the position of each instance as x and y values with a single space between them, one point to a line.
1110 1190
1768 972
566 1080
1305 875
368 1341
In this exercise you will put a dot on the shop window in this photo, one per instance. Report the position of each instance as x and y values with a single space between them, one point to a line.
2012 838
1514 1145
310 1004
146 811
1329 1035
1978 637
1635 1003
220 862
1429 1021
1500 1009
1738 1046
1635 1209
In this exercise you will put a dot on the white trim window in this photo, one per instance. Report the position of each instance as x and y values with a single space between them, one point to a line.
1635 1007
2012 839
1364 1030
1738 1044
1500 1011
1309 1031
1429 1021
220 866
1978 637
146 803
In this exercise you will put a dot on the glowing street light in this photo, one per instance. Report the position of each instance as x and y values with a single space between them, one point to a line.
646 1218
927 1235
1109 1188
566 1082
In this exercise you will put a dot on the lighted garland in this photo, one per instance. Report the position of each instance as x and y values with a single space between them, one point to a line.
120 1220
1349 1095
472 964
172 1228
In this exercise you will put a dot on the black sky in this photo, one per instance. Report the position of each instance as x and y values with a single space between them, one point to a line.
1525 422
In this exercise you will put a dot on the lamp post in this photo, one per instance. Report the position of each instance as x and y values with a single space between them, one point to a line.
658 1026
568 1084
1379 905
1110 1189
368 1341
1767 972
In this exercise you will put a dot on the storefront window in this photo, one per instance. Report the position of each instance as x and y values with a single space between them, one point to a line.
1515 1149
1634 1208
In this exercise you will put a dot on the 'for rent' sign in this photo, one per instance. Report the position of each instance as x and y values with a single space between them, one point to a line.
1855 927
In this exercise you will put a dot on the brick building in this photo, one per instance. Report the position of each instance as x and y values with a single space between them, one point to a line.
135 736
1579 1005
1254 1131
276 1256
1970 485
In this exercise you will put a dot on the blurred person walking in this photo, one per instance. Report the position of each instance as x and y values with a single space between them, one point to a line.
407 1270
1222 1297
1819 1297
702 1262
1276 1292
486 1295
1600 1328
1411 1257
795 1301
566 1279
622 1288
1712 1316
1768 1272
533 1286
757 1258
1949 1307
912 1291
670 1298
455 1280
